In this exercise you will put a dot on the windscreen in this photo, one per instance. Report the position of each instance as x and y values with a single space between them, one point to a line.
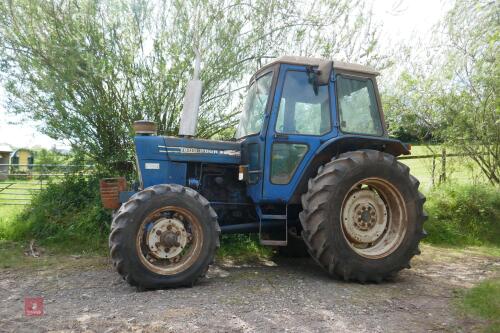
252 119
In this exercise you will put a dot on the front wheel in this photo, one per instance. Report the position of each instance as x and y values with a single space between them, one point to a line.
164 236
363 216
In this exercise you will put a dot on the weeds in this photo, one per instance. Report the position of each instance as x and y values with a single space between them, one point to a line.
66 215
243 248
463 215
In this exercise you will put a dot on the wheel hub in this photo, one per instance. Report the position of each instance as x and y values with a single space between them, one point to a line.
167 238
364 216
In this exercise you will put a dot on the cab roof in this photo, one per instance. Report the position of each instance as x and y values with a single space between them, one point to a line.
310 61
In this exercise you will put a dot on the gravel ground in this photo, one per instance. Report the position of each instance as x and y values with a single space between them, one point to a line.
85 294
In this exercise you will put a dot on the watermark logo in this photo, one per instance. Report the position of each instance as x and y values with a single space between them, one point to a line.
33 306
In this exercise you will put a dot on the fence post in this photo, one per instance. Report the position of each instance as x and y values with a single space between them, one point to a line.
433 173
442 177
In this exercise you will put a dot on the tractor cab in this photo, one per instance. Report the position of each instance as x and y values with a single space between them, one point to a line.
295 106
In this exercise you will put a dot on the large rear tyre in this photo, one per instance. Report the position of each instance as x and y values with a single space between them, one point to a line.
164 236
363 216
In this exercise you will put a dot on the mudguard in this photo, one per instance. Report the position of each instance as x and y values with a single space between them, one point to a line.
342 144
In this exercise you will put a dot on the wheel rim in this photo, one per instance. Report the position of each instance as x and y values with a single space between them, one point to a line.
169 240
374 220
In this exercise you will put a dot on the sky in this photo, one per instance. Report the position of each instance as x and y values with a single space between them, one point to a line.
402 21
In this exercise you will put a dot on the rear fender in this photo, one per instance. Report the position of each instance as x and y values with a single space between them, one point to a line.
342 144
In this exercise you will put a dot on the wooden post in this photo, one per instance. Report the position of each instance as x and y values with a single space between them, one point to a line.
442 178
433 170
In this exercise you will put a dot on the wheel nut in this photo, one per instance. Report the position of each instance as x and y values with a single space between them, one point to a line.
169 227
158 232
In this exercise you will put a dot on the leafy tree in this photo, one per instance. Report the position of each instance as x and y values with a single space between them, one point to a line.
472 102
88 68
452 96
52 156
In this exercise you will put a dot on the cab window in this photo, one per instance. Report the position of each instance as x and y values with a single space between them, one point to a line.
252 118
358 110
301 110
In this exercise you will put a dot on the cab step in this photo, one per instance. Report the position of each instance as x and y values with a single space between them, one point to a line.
273 229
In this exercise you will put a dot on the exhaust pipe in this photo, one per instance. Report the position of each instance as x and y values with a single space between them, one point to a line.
192 99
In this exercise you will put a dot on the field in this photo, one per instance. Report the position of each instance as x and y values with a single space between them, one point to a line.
458 170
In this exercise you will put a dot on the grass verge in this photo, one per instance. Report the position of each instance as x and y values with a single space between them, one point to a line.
463 215
483 301
17 255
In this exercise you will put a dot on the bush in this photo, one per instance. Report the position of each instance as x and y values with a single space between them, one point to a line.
67 214
463 215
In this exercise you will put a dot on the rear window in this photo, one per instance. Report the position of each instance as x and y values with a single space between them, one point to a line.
358 109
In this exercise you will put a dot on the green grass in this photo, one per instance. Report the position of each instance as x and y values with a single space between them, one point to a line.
67 216
243 249
17 255
8 221
459 170
483 301
463 215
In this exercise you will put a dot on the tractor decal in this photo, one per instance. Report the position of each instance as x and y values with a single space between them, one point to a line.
190 150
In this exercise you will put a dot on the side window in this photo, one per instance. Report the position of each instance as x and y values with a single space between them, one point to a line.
302 111
358 109
253 165
285 158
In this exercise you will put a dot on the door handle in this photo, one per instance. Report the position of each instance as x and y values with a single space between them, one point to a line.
281 136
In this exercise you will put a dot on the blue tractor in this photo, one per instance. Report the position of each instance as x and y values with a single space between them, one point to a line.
311 167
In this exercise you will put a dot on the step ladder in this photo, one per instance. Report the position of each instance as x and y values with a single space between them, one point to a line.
273 229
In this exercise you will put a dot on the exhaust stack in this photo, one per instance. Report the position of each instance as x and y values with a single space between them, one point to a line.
192 98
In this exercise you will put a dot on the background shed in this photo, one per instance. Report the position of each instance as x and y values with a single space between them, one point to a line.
20 158
5 152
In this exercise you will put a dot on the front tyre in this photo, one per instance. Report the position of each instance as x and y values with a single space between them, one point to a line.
164 236
363 216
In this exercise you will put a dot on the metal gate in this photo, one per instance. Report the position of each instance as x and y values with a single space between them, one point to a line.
18 183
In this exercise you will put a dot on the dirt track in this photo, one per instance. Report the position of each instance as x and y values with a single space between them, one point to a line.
287 295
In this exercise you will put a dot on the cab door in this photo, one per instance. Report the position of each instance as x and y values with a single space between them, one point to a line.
301 119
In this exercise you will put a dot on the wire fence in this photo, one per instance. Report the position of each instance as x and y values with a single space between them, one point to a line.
18 183
435 169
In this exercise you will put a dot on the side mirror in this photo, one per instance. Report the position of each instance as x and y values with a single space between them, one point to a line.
325 72
321 76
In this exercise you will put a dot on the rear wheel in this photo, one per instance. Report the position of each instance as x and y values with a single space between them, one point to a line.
164 236
363 216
